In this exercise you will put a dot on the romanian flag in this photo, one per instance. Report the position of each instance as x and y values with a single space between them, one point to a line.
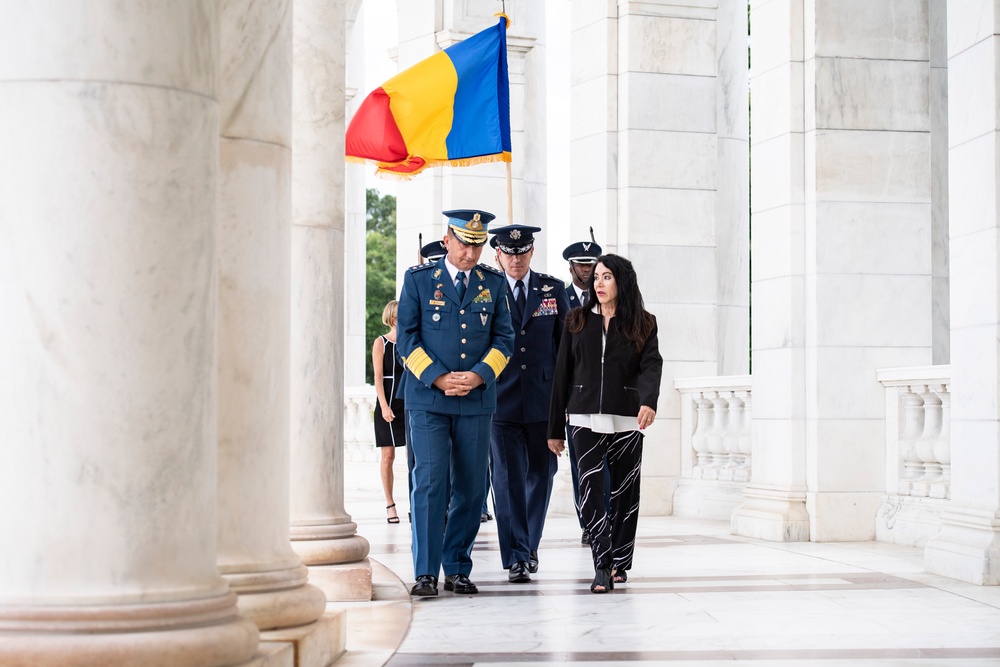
452 108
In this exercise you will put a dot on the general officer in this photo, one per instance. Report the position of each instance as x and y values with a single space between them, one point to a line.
582 256
521 462
455 335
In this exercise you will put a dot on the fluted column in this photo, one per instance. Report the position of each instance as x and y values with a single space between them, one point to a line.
321 530
108 138
254 316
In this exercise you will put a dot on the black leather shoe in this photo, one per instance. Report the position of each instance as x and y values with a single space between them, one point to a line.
460 584
426 586
485 516
519 573
585 538
533 562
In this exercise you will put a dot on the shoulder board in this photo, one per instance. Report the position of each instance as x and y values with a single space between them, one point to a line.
545 276
487 267
420 267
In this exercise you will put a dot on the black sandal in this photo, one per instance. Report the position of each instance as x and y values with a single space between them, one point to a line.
621 576
392 519
602 578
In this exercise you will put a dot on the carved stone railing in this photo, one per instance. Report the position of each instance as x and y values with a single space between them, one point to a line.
359 430
715 445
918 425
917 452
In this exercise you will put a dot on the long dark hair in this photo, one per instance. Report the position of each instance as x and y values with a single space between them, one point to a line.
634 321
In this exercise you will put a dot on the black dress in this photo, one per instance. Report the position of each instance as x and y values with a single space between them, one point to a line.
390 434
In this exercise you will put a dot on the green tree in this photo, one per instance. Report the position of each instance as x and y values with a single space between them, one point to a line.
380 273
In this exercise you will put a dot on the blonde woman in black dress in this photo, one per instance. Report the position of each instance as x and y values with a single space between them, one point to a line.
389 429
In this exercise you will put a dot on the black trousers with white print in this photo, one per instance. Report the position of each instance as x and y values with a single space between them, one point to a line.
612 538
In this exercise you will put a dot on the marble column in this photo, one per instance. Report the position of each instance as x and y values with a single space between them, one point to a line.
321 530
109 133
968 545
254 316
937 19
842 266
732 196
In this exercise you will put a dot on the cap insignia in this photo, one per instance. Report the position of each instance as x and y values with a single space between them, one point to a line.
515 234
586 246
475 224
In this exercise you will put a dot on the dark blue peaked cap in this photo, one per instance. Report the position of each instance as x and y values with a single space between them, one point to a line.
514 239
433 251
582 252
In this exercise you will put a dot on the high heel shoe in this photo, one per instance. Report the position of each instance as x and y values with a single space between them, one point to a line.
602 578
391 519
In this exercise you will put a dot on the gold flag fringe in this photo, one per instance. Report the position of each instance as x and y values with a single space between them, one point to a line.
384 168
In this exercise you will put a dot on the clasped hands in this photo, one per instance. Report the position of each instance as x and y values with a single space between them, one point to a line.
645 418
458 383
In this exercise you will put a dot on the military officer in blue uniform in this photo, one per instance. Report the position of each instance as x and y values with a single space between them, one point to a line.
455 335
521 462
582 256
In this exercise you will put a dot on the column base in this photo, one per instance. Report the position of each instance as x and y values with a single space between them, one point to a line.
199 633
966 548
347 582
277 599
329 550
315 645
842 517
777 516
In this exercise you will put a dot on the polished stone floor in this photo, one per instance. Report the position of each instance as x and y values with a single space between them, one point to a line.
696 596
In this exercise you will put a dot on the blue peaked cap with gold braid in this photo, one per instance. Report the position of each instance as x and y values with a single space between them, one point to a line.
469 224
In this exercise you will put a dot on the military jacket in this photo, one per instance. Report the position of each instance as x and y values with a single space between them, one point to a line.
438 333
524 389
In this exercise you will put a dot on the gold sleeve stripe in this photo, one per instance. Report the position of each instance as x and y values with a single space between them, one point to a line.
496 361
418 361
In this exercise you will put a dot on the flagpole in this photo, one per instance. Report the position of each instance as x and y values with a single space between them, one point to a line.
510 197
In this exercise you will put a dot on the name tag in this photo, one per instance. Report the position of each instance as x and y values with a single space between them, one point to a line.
437 303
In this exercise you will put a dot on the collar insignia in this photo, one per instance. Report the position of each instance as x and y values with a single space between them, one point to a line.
479 273
437 274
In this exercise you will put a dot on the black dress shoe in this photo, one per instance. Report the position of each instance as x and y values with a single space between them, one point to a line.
426 586
533 562
519 573
460 584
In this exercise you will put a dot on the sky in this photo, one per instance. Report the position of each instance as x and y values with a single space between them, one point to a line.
380 37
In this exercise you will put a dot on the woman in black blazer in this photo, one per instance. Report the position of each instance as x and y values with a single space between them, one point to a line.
607 381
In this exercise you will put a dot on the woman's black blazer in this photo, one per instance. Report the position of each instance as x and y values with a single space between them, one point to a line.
627 380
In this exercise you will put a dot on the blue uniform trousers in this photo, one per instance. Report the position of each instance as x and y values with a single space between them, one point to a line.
447 450
523 468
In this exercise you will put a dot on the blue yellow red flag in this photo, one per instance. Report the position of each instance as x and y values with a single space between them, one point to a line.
452 108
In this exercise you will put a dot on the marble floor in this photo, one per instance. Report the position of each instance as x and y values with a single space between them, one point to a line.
696 596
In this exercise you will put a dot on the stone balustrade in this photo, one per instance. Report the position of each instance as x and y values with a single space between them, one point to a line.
917 453
359 431
918 442
715 423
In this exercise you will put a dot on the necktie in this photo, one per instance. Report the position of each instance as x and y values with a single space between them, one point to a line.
583 296
519 299
460 284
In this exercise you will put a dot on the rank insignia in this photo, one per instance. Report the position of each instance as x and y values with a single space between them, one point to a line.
483 297
480 275
437 274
